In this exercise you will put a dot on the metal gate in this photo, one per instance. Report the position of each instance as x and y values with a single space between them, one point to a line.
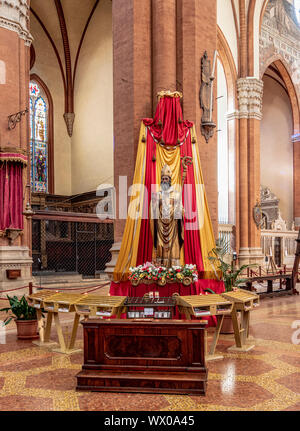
73 247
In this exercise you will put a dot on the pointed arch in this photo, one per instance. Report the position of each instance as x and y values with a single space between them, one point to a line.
41 83
227 60
263 9
229 67
285 72
250 34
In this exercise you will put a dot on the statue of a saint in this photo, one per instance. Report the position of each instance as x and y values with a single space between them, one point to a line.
167 222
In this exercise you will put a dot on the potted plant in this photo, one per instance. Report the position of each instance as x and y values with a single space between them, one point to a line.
24 316
231 276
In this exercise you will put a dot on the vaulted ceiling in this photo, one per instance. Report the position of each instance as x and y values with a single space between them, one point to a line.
64 23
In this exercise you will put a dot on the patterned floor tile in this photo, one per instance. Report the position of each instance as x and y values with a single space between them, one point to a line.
58 379
265 378
230 392
17 403
292 382
240 366
120 402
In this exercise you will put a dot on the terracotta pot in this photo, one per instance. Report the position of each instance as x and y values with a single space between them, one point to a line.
227 327
27 329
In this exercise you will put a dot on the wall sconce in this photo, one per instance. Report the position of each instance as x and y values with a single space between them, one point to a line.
206 96
15 118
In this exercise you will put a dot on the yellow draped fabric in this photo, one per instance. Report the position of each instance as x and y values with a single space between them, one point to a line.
172 159
207 239
130 242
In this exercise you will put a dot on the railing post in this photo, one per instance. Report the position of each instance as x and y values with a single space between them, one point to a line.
280 285
30 288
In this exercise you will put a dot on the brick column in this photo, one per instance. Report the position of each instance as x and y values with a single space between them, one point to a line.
197 33
132 82
132 85
15 41
164 46
243 137
296 148
250 91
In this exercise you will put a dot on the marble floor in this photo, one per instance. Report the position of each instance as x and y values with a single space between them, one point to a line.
266 378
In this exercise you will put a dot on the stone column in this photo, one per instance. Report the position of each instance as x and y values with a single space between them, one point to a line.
132 83
250 92
15 40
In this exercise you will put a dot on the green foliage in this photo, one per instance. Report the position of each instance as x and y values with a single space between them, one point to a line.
19 309
209 290
230 275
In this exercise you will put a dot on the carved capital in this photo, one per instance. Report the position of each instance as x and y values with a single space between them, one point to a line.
250 96
14 16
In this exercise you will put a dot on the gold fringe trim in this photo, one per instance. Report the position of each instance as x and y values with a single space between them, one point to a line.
13 150
169 93
14 159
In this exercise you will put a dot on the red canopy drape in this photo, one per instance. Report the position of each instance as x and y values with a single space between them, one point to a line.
11 196
168 126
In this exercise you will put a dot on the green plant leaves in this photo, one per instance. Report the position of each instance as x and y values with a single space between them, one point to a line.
230 274
19 309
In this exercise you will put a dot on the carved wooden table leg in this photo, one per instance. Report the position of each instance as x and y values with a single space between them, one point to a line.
212 356
241 331
44 340
63 348
74 333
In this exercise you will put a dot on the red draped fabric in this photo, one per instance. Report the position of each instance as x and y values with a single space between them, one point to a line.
125 288
146 241
169 113
168 129
192 246
11 196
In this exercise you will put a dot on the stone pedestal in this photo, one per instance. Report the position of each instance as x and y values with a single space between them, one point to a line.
15 41
17 258
110 266
251 255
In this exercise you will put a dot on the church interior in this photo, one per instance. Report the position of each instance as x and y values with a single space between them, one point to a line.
150 205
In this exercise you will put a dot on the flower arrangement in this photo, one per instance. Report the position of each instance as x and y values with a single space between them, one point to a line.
149 273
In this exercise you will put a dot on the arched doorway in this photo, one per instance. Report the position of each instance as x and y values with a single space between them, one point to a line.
276 149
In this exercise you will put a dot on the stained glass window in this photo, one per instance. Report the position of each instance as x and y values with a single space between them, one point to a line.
38 138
